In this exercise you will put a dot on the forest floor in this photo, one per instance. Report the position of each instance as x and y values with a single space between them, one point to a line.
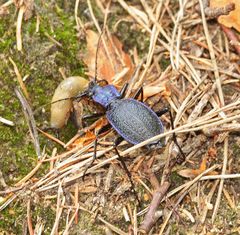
183 56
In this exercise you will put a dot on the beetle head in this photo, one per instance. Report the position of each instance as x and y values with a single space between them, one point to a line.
94 84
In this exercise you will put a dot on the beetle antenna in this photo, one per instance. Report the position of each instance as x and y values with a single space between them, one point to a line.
72 97
56 101
96 61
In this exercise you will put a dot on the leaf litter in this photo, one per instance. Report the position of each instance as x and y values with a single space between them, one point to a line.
202 88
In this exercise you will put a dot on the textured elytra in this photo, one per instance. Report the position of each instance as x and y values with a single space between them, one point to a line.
133 120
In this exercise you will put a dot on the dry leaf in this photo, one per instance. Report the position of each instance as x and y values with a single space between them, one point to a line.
231 20
212 152
110 62
167 91
191 173
100 123
88 189
84 140
89 135
4 11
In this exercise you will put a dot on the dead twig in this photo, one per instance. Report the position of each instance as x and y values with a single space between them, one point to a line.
6 122
185 191
151 217
224 168
215 12
19 78
232 37
29 219
30 121
60 204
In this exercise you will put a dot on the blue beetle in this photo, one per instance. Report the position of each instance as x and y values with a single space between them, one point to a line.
132 119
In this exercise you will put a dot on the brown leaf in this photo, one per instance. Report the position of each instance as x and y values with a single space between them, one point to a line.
191 173
4 11
84 140
100 123
212 152
232 19
89 136
111 61
167 91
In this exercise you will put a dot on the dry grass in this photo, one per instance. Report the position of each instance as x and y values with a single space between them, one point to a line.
202 88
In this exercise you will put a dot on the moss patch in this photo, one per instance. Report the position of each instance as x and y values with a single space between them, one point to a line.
39 62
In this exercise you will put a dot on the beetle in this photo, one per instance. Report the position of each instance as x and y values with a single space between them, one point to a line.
133 120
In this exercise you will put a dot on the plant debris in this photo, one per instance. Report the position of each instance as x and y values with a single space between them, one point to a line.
185 55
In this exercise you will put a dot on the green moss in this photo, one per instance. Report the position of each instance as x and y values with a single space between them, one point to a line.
12 219
176 179
87 224
46 213
164 63
63 31
40 60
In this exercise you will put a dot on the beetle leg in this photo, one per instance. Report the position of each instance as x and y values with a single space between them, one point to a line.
102 130
139 93
93 115
118 141
123 90
181 159
120 158
162 111
90 116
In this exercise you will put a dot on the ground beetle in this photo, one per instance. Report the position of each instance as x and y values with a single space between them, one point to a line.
132 119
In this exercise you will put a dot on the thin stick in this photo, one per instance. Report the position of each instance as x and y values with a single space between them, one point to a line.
19 78
19 27
212 55
6 122
66 231
186 190
30 121
225 160
30 174
76 201
51 137
207 200
29 219
232 37
215 177
60 204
